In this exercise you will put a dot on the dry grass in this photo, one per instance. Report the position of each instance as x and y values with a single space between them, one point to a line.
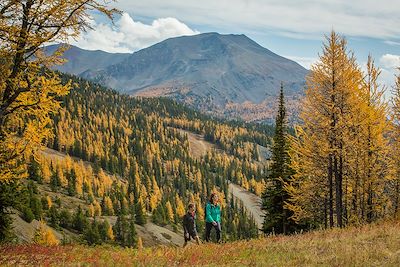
372 245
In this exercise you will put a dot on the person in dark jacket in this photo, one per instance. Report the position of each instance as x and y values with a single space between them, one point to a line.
213 217
189 225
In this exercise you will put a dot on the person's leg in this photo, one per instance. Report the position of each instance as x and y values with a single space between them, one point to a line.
208 231
197 239
186 241
218 231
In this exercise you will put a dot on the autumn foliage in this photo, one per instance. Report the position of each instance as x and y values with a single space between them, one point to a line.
29 92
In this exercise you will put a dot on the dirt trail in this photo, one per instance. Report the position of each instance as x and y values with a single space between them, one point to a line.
250 201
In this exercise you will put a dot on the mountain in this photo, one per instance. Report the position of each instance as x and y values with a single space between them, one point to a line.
81 60
227 75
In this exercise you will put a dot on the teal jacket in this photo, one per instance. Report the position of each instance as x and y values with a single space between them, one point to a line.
213 213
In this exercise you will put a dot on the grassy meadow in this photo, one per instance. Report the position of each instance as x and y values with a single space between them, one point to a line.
371 245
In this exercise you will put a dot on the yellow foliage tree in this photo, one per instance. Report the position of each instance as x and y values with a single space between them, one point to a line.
97 208
110 233
28 90
339 150
155 195
49 202
140 243
180 207
395 150
45 236
91 210
108 206
373 149
46 173
170 211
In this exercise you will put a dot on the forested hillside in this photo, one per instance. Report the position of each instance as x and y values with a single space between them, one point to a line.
128 158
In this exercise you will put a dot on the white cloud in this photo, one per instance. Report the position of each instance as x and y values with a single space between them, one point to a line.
365 18
128 35
389 61
392 43
388 65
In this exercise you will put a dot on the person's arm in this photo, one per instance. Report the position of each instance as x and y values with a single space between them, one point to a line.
208 213
219 213
192 225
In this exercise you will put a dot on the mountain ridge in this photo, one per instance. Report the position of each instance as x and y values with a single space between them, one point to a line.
209 71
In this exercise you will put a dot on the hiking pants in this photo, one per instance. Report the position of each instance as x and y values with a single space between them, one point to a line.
217 228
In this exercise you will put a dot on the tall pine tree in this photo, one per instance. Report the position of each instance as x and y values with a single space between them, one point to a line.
277 217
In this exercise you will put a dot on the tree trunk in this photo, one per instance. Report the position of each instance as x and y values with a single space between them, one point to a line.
330 180
338 185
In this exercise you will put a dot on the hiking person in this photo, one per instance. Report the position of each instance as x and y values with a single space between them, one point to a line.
189 225
213 217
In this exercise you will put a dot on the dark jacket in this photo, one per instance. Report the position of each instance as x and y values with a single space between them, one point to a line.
189 224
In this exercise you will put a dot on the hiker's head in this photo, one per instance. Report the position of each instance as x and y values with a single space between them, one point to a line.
214 198
191 207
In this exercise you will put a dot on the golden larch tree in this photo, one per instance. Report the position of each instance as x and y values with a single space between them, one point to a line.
320 149
29 91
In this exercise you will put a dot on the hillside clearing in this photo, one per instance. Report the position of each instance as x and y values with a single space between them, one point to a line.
198 147
251 202
371 245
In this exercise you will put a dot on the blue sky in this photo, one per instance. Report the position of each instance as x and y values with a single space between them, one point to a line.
291 28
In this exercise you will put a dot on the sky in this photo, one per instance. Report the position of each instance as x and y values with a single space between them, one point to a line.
291 28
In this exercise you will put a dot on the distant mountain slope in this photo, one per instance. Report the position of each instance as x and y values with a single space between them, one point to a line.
227 75
80 60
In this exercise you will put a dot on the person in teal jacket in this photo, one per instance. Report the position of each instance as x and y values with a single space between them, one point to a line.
213 217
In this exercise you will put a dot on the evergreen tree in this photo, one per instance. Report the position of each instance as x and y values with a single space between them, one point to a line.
139 214
277 217
55 182
54 217
120 229
92 235
36 207
79 221
65 218
72 183
34 170
8 198
106 232
27 214
131 234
